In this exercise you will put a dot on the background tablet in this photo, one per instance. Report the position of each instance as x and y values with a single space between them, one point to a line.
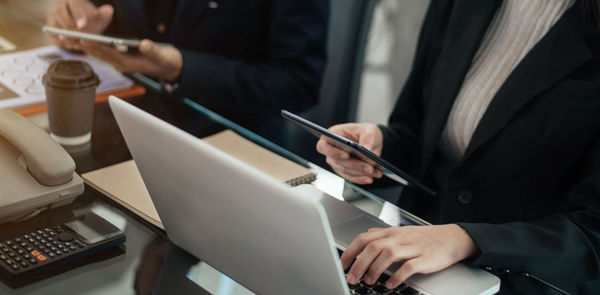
123 45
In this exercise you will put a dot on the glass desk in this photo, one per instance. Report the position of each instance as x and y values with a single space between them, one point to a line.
150 264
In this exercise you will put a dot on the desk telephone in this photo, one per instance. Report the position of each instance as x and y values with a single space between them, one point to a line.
36 172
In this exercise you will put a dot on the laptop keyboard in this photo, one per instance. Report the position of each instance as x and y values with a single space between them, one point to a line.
379 288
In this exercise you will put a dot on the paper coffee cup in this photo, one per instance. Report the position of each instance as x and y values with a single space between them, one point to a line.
70 92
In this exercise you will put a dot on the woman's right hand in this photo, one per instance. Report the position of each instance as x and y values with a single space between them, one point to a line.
78 15
354 170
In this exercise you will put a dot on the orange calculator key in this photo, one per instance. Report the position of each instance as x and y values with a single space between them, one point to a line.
34 253
41 258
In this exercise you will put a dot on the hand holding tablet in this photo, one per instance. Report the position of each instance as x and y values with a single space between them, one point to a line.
359 152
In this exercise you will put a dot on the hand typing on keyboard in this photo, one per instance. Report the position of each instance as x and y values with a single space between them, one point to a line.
421 249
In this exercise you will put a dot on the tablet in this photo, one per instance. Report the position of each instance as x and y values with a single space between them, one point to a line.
123 45
358 151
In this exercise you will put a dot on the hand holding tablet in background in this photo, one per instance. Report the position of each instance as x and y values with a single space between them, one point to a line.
79 15
160 61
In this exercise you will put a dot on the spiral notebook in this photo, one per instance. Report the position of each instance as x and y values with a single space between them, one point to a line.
123 183
261 158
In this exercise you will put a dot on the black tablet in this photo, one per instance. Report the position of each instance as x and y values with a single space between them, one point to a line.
358 151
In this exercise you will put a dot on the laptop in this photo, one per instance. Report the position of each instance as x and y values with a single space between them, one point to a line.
269 237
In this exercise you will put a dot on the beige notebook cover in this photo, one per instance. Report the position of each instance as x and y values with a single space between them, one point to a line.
123 183
261 158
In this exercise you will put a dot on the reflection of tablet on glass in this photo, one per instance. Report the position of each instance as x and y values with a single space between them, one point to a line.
358 152
120 44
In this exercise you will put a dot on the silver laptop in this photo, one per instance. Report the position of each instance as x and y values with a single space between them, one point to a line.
268 237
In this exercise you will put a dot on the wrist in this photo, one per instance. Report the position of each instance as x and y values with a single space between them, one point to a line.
466 247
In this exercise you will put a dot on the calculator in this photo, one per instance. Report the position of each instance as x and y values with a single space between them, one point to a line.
53 245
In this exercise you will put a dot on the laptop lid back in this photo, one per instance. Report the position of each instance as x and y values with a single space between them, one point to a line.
234 217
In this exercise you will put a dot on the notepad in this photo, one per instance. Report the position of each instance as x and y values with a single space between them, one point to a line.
123 183
261 158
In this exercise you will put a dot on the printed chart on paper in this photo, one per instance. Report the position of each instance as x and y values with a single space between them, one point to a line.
21 75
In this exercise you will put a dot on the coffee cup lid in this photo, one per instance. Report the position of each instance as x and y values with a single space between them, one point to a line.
70 74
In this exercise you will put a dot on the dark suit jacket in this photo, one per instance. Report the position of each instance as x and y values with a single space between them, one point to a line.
246 59
528 188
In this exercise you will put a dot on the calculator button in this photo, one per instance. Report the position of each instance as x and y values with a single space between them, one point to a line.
50 254
65 237
46 229
32 261
24 264
26 256
21 251
31 240
3 257
18 259
41 258
45 236
39 232
6 250
2 245
14 247
48 245
29 249
23 244
72 248
11 254
26 236
35 253
17 240
9 243
58 252
15 267
9 262
53 248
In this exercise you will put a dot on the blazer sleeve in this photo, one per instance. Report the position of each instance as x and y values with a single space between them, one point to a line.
288 77
401 135
560 247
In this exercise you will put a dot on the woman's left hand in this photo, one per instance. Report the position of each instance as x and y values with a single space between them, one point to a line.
422 249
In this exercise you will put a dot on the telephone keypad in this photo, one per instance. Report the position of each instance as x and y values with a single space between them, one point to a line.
38 247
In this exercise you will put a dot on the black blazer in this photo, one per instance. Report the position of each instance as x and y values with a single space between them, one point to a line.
246 59
528 188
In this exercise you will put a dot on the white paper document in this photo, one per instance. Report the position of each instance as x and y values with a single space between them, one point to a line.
21 75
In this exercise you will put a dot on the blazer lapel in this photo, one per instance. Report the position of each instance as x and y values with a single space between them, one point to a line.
557 54
187 15
467 25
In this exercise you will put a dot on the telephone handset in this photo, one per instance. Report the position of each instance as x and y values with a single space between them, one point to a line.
46 160
37 173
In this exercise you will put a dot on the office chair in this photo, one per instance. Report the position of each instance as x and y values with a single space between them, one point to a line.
349 25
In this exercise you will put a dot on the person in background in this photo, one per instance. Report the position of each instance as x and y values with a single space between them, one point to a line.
245 59
501 115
